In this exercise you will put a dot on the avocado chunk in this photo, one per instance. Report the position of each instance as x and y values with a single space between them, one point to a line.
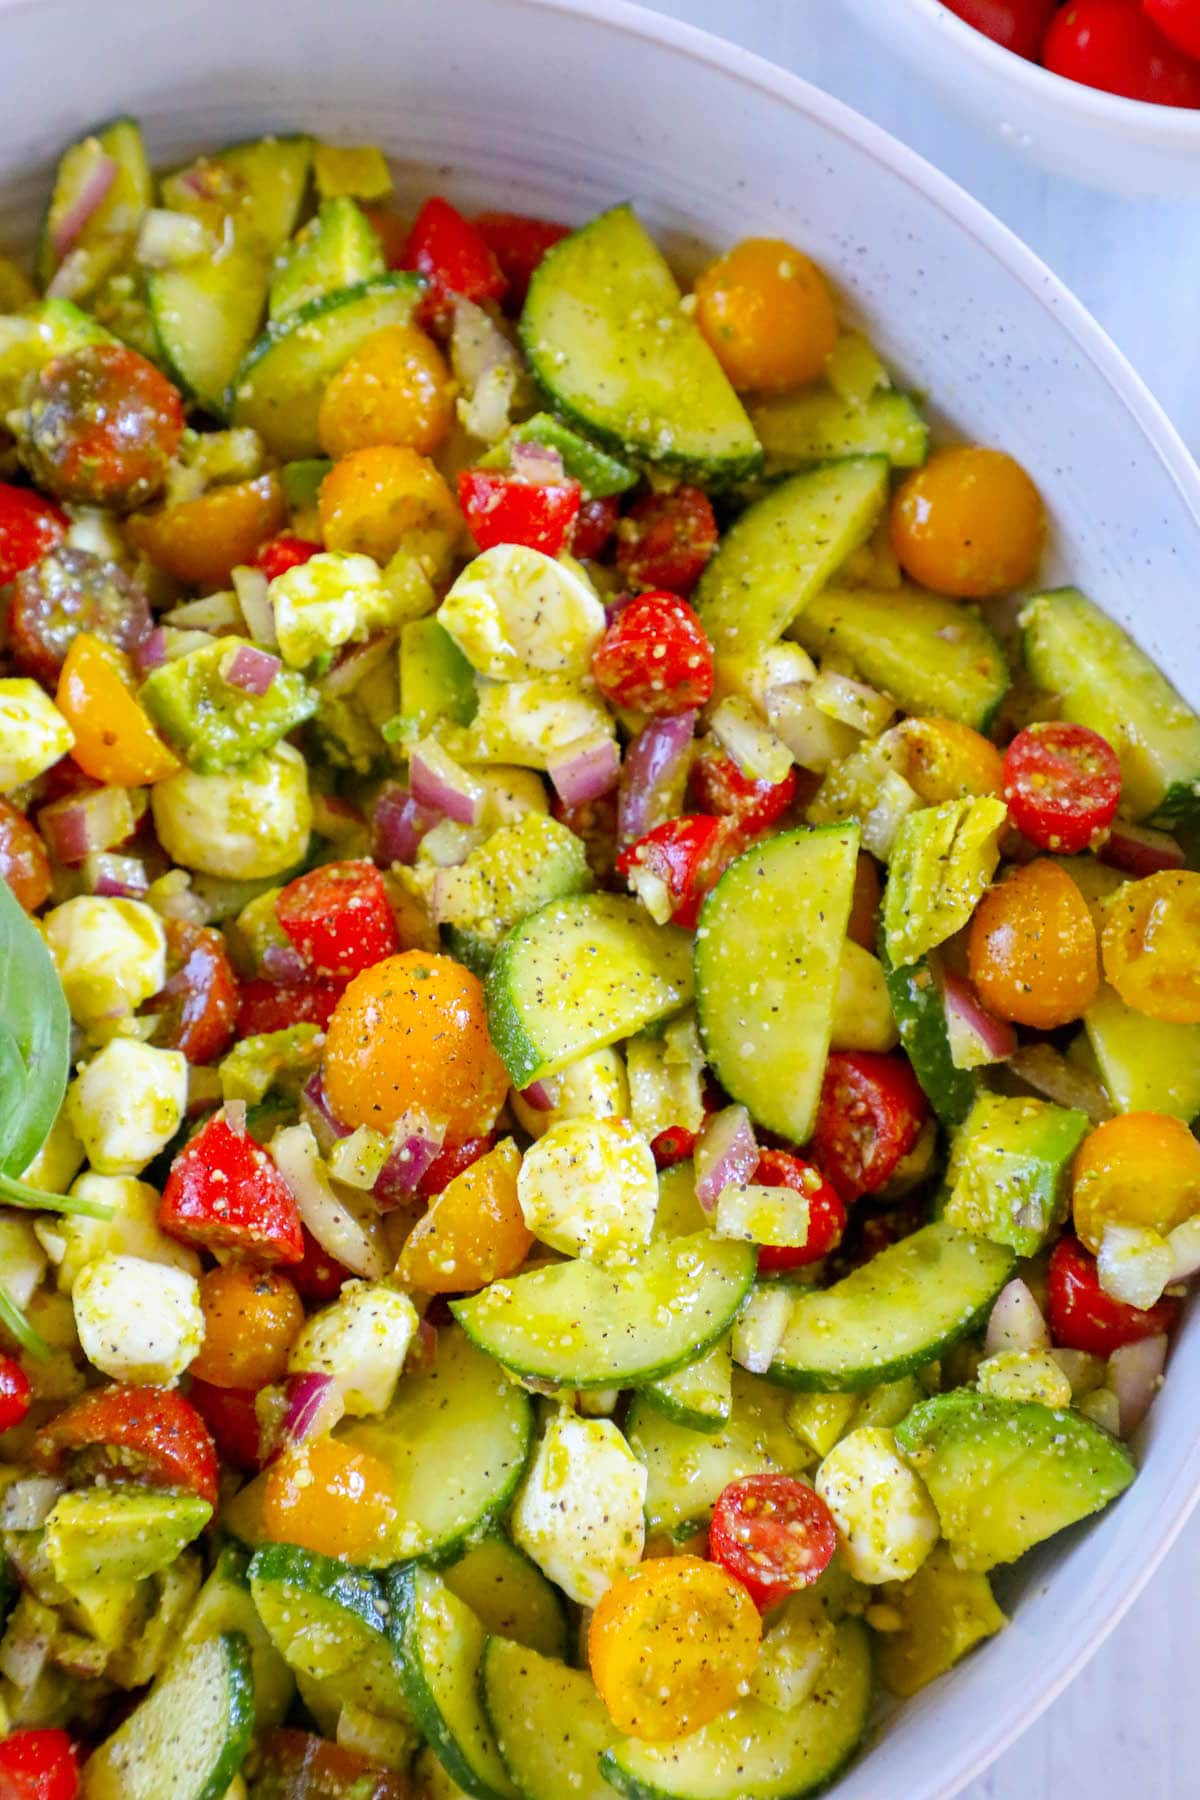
946 1612
115 1613
1010 1169
1147 1065
211 721
942 860
1006 1474
273 1059
521 866
597 472
337 249
120 1534
437 683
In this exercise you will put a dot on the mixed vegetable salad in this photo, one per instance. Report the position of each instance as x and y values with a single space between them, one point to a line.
598 1035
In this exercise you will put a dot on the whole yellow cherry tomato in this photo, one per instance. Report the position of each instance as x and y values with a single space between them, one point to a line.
969 524
394 390
1031 948
1151 945
1138 1169
375 499
328 1497
767 313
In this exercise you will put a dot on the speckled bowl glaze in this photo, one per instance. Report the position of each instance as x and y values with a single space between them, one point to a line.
565 106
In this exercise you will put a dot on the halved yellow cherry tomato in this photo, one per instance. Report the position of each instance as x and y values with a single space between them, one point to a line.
115 741
1151 945
1138 1169
394 390
1031 949
671 1645
375 499
330 1498
969 524
474 1230
199 541
944 760
767 313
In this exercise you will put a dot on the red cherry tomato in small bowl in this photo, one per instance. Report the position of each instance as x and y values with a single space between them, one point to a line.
1018 25
826 1214
1062 785
1083 1317
772 1533
665 540
869 1117
1178 20
1112 45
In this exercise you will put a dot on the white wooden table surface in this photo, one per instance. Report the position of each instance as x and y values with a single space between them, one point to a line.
1125 1727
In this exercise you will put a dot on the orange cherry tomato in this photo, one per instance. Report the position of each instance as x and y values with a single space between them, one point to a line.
944 760
330 1498
411 1032
251 1317
1031 949
394 390
671 1645
1151 946
115 741
200 541
766 310
969 524
1137 1169
376 498
473 1232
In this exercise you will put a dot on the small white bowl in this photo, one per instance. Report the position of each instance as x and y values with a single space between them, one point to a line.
1127 146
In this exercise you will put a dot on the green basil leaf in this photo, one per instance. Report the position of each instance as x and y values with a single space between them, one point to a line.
15 1322
35 1046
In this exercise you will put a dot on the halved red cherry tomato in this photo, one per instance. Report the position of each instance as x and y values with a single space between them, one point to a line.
453 255
23 860
1062 785
1112 44
230 1416
1083 1317
29 526
826 1214
15 1393
317 1276
655 657
594 526
869 1117
772 1533
686 857
298 1765
674 1145
225 1193
263 1006
143 1434
1019 25
199 1001
339 918
720 787
450 1161
501 508
518 243
279 554
38 1765
101 427
1179 20
665 540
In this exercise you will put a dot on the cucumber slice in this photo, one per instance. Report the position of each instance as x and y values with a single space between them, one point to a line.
579 975
456 1440
189 1737
767 955
438 1645
894 1314
817 426
932 655
1146 1064
259 184
328 1623
679 1213
700 1394
582 1326
687 1470
225 1603
118 214
783 550
1104 681
551 1725
609 343
754 1752
920 1016
279 385
597 473
510 1596
338 249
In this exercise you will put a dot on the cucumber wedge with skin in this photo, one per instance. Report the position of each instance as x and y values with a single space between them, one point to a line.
225 1603
188 1737
327 1621
597 473
610 345
754 1752
779 554
119 213
550 1724
767 955
278 387
893 1315
815 425
920 1014
700 1394
582 1326
509 1595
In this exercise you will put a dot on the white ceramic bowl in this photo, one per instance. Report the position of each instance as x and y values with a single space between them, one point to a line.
565 106
1128 146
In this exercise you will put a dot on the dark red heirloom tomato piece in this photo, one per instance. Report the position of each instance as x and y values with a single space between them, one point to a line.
665 540
450 1161
755 806
339 918
317 1276
869 1117
23 860
14 1393
230 1416
71 591
1179 20
674 1145
501 508
594 526
225 1193
654 657
198 1003
1062 785
1083 1317
454 256
518 243
264 1006
298 1765
686 857
772 1533
1018 25
279 554
135 1434
826 1214
1113 45
101 426
38 1764
29 526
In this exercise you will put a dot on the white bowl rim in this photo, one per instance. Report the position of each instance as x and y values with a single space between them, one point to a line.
1145 119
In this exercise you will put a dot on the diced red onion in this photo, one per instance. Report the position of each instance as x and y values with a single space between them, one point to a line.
151 652
319 1116
531 461
81 824
438 781
538 1095
726 1155
92 194
652 774
251 669
1135 1376
1042 1068
976 1037
1015 1321
341 1220
416 1146
1137 850
115 877
29 1501
586 773
282 963
398 823
250 586
354 663
234 1114
314 1406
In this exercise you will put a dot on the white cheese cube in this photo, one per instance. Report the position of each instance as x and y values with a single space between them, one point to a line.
33 733
515 612
589 1187
579 1515
138 1321
110 955
127 1104
244 824
592 1088
362 1341
333 599
887 1524
133 1230
532 723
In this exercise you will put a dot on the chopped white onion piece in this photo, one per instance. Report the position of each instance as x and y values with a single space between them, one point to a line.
1015 1321
1134 1265
1135 1376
